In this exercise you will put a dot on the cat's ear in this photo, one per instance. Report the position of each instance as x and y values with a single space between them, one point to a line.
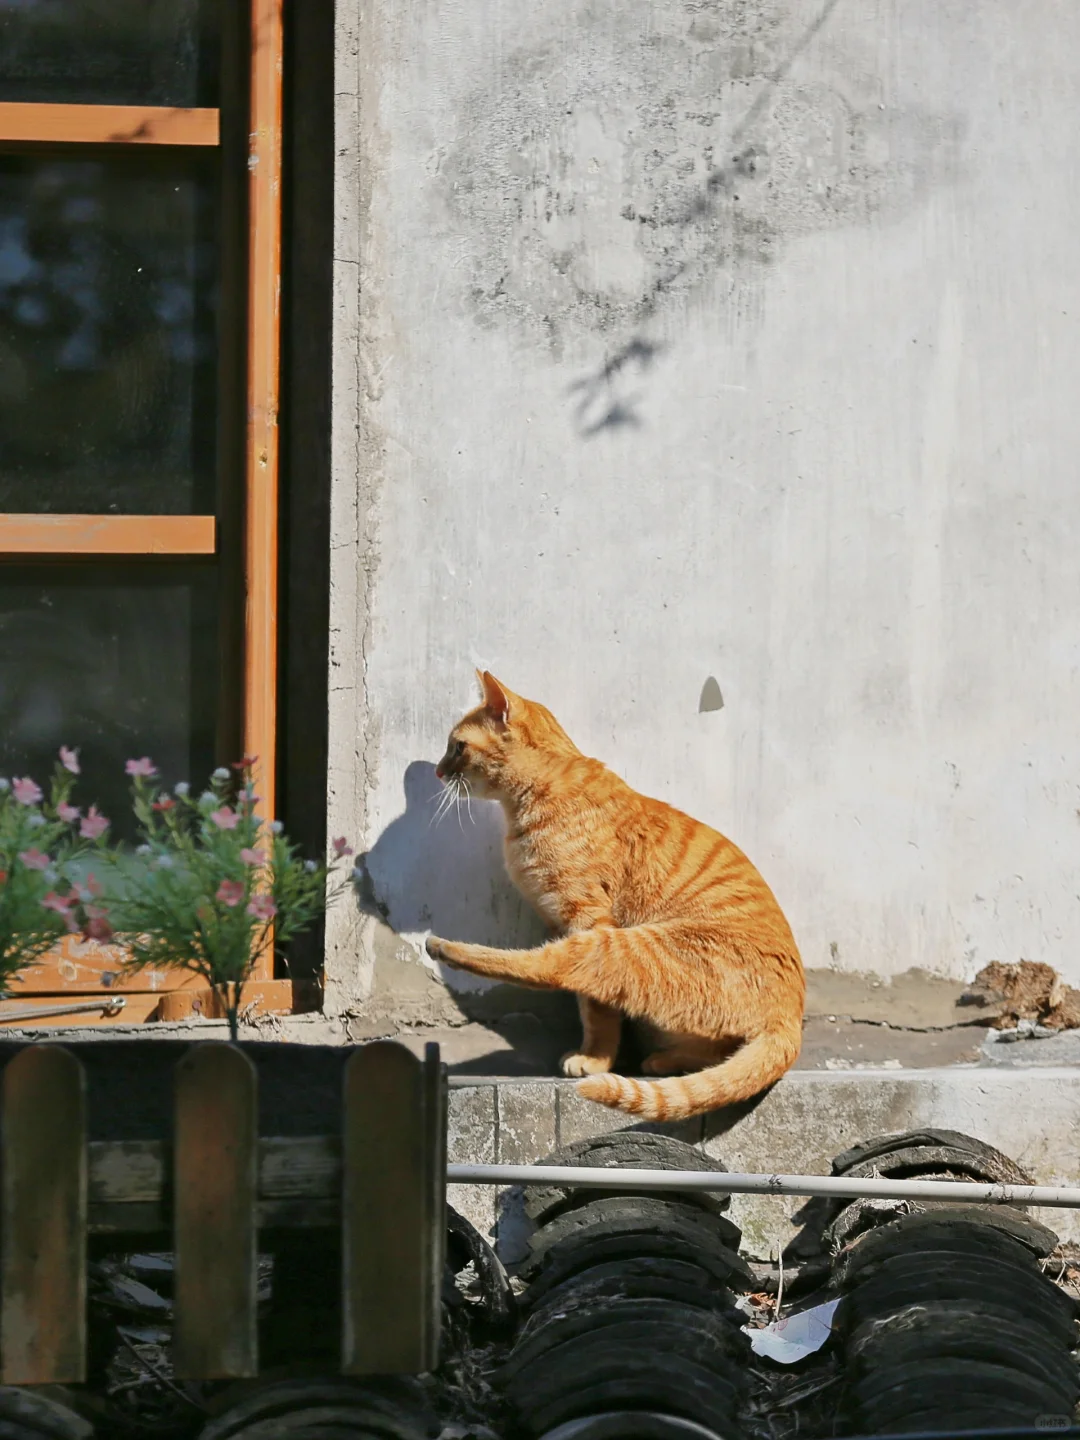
496 699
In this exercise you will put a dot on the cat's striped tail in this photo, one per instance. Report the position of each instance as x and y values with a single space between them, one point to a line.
754 1067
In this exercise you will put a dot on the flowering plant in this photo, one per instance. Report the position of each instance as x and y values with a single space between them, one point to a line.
46 888
211 885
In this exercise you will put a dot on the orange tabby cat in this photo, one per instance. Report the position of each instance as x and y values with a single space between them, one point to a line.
662 919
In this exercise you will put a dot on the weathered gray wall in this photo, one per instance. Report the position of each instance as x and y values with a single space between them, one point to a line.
730 338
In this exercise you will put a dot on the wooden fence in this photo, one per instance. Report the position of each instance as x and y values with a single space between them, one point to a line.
205 1197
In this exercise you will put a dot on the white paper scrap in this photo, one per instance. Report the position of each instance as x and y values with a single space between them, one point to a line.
792 1339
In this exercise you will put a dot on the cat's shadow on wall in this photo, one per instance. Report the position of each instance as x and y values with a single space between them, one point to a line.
445 873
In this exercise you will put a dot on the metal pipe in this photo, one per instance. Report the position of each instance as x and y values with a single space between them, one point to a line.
112 1006
836 1186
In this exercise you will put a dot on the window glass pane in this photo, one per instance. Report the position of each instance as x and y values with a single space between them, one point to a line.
107 341
121 52
120 661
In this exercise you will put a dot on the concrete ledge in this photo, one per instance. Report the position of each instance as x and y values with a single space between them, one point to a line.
1032 1114
310 1029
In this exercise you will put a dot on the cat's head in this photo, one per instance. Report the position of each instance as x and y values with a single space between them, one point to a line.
500 741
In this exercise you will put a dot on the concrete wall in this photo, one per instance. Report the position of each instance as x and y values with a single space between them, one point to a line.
797 1129
717 338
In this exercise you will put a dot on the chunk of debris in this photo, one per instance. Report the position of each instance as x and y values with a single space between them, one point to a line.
1027 992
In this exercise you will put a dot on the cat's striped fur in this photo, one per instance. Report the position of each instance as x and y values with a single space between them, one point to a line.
660 917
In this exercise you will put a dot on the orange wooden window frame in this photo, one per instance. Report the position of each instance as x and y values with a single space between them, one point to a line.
108 535
263 369
57 536
29 124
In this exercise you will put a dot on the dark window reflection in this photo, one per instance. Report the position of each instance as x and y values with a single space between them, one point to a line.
121 52
120 661
107 342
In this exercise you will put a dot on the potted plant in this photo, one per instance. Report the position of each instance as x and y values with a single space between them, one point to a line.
211 885
47 889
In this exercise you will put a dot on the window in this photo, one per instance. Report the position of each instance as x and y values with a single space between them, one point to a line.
140 240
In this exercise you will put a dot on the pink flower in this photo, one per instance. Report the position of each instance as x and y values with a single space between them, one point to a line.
247 763
62 905
252 857
69 759
230 893
35 860
92 884
165 803
144 767
262 907
94 825
26 791
225 819
68 813
341 847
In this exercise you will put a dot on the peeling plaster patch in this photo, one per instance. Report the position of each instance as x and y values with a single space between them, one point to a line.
590 203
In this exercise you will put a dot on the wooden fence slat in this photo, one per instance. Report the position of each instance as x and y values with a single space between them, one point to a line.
43 1218
436 1107
215 1155
393 1210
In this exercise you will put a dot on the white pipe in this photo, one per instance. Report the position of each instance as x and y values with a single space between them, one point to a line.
837 1186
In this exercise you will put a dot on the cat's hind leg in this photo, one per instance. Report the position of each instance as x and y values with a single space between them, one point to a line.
682 1054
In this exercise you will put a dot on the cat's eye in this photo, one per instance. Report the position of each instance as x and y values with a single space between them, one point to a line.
459 749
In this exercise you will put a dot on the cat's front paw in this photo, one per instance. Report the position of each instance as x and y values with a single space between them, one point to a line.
577 1066
436 948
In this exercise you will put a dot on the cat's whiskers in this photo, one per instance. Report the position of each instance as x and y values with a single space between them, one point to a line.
456 788
437 800
444 800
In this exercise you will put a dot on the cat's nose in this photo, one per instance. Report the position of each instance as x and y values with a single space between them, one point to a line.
439 771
